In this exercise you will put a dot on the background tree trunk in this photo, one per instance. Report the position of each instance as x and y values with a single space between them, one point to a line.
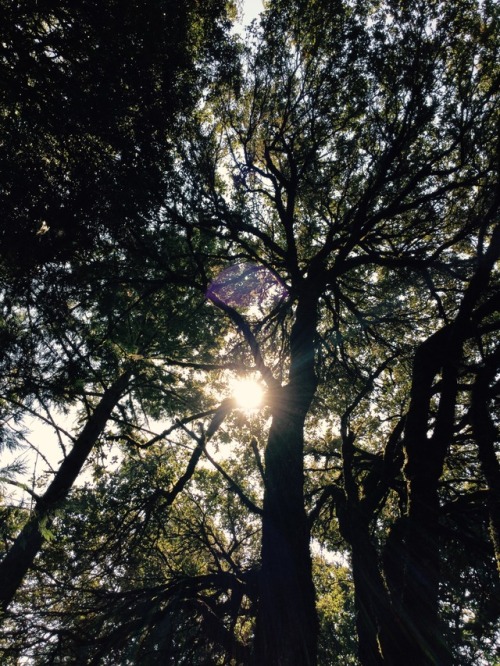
28 543
486 435
423 468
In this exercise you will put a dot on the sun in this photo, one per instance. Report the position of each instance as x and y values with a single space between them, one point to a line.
247 392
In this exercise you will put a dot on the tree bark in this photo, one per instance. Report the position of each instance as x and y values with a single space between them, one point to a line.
374 618
28 543
485 434
420 607
287 626
424 459
370 596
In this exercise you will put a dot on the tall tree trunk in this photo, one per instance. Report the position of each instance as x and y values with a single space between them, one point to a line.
370 596
420 607
424 464
287 625
485 434
380 637
353 524
374 619
423 468
28 543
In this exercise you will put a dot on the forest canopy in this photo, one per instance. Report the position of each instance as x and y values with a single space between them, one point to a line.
250 371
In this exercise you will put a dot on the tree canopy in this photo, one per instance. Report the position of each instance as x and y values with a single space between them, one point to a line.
313 207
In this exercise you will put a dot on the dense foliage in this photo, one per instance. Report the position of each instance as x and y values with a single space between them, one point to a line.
314 206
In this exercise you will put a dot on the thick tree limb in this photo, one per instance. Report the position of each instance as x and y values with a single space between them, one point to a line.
25 548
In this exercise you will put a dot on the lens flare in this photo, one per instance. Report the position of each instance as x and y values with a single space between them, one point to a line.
251 289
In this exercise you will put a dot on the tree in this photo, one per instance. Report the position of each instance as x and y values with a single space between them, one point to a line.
92 97
93 101
337 203
352 164
355 165
151 578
